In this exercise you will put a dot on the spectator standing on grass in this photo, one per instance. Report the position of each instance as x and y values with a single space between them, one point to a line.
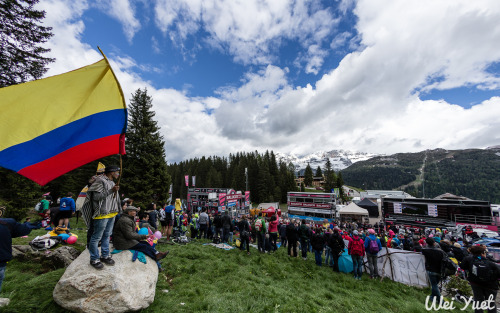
244 228
217 225
328 250
433 264
203 221
9 229
260 228
356 250
337 245
372 248
282 233
66 210
304 238
318 243
292 237
483 276
226 227
273 232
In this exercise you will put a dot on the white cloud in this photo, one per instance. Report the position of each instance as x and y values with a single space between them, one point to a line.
124 12
367 103
251 31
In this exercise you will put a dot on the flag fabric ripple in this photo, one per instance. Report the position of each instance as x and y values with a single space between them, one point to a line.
51 126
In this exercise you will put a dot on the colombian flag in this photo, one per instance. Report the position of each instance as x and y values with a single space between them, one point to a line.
51 126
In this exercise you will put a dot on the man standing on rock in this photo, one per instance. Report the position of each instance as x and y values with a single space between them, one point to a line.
105 205
9 229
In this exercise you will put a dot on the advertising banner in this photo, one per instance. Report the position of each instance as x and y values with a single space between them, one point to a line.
222 199
193 179
186 177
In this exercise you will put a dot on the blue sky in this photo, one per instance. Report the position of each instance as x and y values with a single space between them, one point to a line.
297 77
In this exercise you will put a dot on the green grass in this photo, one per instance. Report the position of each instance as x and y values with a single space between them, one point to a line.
207 279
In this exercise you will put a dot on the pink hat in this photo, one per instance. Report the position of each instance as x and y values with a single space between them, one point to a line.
371 231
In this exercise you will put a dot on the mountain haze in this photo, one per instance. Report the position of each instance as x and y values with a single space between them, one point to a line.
473 173
340 159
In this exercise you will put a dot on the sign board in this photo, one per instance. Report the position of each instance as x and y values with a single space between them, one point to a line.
397 208
432 210
309 205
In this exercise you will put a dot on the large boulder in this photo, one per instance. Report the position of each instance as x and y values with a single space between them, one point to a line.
126 286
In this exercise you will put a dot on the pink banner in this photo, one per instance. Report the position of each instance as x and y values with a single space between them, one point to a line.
247 196
222 199
186 177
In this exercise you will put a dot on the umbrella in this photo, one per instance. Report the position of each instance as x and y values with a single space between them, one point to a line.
345 263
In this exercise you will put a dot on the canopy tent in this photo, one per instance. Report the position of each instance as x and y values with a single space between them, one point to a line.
370 206
353 209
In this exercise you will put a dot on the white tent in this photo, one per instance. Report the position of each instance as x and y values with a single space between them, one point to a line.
353 209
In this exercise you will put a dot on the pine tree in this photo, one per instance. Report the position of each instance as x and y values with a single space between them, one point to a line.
308 175
330 179
145 177
319 173
22 36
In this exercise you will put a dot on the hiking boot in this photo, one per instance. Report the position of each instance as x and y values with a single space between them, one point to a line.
96 264
108 261
161 255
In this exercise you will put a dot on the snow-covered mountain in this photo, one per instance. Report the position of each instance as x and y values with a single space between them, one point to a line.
340 159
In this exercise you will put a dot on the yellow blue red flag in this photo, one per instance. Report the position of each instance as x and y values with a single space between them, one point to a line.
51 126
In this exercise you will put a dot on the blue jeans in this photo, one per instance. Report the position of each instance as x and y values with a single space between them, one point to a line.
434 279
102 231
328 256
357 264
317 256
2 275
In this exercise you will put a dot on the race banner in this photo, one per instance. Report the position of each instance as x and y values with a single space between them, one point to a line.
186 177
193 179
222 199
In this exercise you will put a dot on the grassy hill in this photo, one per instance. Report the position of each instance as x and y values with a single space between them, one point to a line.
206 279
474 173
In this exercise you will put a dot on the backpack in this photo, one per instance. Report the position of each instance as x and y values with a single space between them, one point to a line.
448 267
216 240
39 207
258 224
357 247
373 246
481 270
44 243
163 216
335 244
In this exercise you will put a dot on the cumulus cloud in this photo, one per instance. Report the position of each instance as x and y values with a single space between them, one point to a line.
124 12
370 102
250 31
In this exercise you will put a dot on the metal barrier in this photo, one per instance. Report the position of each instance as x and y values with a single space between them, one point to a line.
473 219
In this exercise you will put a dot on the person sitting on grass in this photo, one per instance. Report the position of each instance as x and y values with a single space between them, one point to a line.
144 221
126 238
